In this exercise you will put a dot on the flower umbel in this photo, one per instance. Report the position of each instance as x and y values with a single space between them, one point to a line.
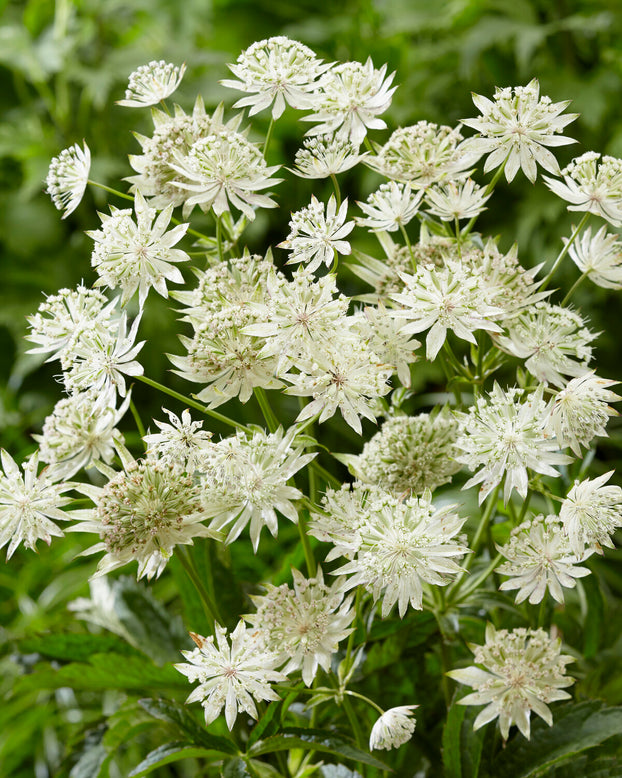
151 83
67 178
394 728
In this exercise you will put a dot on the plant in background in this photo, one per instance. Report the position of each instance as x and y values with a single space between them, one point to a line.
505 377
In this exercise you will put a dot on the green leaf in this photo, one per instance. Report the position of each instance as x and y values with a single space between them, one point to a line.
235 768
314 740
266 724
173 713
593 626
576 728
462 747
74 647
89 763
165 754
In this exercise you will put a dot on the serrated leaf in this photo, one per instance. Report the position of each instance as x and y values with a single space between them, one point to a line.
314 740
165 754
575 729
173 713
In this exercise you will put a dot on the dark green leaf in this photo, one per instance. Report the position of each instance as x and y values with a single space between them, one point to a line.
73 647
266 725
235 768
593 626
165 754
462 747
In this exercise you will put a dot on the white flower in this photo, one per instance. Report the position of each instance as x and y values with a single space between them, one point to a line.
552 340
344 375
349 98
580 411
304 624
445 299
539 559
409 454
64 317
277 70
137 255
421 154
80 432
524 672
29 503
591 513
450 201
246 482
394 728
182 441
223 169
326 155
516 127
100 359
390 207
599 257
316 237
67 178
591 187
505 434
141 514
230 676
151 83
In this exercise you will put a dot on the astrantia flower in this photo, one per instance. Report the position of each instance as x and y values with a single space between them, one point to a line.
151 83
390 207
246 482
524 672
100 359
539 559
67 178
552 340
409 454
346 376
222 170
137 255
591 513
464 200
349 98
395 546
504 434
29 504
182 441
141 514
80 432
515 128
304 624
599 257
326 155
277 70
445 299
315 236
591 186
65 316
230 676
580 411
421 155
394 728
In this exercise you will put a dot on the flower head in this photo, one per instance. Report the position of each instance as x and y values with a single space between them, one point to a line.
505 434
316 235
349 98
524 672
326 155
591 513
514 129
592 186
304 624
151 83
67 178
539 559
451 201
394 728
137 255
389 207
182 441
230 676
599 257
276 71
29 504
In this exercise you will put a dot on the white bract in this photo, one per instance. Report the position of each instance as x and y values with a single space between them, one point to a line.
67 178
152 83
390 207
598 256
591 513
394 728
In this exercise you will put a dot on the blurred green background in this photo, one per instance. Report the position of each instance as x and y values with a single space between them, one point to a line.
62 66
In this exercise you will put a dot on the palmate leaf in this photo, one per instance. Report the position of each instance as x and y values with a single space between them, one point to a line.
576 728
320 740
462 747
167 753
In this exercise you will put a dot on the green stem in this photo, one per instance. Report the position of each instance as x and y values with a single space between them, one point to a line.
565 250
487 191
523 512
413 262
139 424
209 606
268 136
219 239
337 190
481 528
268 414
192 403
445 658
355 723
576 284
368 146
306 545
328 477
473 585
